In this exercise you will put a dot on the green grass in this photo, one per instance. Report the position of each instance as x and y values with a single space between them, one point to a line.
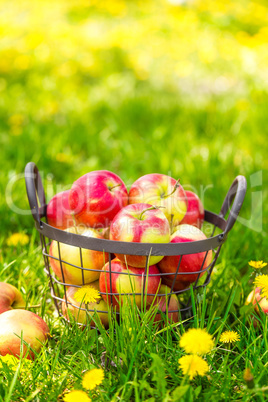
126 86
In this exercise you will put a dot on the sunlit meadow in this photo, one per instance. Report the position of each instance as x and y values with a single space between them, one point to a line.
176 87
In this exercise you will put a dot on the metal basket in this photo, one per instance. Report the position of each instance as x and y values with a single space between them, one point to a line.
37 201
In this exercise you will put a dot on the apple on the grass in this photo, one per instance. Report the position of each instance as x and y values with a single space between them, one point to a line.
258 301
16 325
70 255
126 281
58 211
10 297
195 211
140 223
190 263
160 190
96 197
167 302
73 308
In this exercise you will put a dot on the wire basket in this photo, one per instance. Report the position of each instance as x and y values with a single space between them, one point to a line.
37 201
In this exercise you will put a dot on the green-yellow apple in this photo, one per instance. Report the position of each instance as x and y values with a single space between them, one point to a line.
96 197
76 303
128 281
10 297
190 265
258 301
162 303
58 211
17 324
195 211
92 260
140 223
160 190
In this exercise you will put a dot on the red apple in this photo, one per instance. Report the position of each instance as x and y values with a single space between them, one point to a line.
258 301
128 281
58 211
195 211
179 285
92 260
162 303
160 190
15 324
96 197
73 308
190 263
140 223
10 297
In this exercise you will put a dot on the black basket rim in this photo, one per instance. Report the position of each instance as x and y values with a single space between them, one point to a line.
132 248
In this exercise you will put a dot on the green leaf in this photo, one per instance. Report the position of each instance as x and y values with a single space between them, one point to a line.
197 391
167 398
179 392
246 309
158 370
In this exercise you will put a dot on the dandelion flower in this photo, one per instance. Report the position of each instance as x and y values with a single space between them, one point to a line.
261 282
196 341
76 396
93 378
257 264
248 378
10 360
87 294
12 363
193 365
18 238
229 337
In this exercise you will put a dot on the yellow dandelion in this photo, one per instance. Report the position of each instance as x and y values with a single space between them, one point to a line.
229 337
12 363
87 294
257 264
197 341
193 365
9 360
261 281
18 238
61 157
93 378
248 378
76 396
16 120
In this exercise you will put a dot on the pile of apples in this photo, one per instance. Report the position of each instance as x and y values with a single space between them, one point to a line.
156 209
20 329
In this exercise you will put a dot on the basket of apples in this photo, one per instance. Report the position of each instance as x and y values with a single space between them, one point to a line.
103 245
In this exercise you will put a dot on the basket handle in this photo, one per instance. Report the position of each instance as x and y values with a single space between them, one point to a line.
236 193
34 188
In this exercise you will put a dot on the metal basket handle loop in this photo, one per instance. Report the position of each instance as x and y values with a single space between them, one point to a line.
236 193
34 188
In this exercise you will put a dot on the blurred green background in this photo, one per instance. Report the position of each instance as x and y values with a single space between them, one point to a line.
176 87
170 86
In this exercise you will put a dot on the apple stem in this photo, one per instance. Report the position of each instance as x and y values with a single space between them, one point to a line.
117 185
171 223
149 209
177 184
